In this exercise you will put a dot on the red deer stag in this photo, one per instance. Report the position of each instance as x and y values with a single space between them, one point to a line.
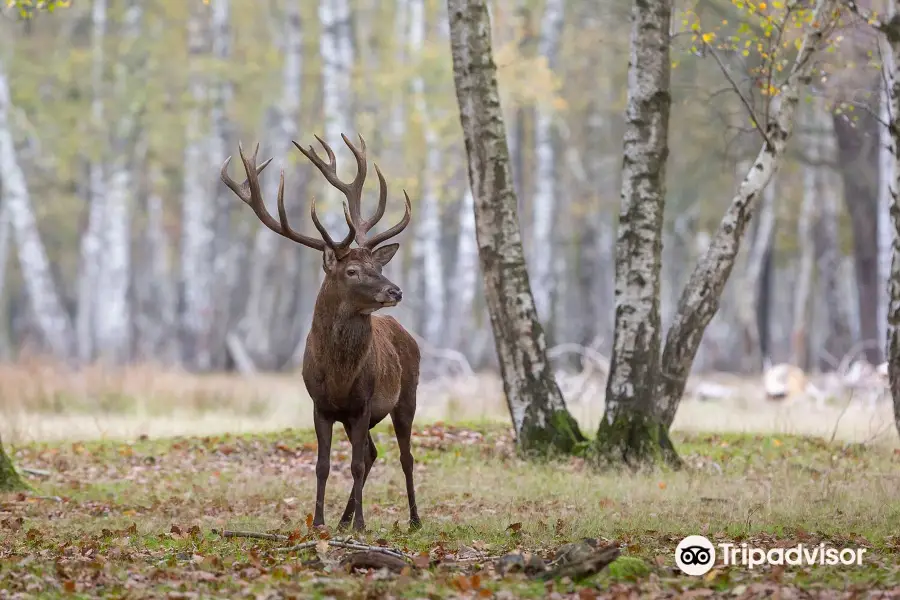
358 367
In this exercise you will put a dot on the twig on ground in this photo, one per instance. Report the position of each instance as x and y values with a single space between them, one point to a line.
839 417
35 472
252 535
347 545
50 498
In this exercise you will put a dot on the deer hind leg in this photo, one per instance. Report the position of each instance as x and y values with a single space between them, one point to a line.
403 419
324 428
370 460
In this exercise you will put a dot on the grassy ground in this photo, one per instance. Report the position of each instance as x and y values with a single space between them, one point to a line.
138 519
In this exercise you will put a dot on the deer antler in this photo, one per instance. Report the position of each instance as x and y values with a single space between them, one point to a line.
251 194
353 192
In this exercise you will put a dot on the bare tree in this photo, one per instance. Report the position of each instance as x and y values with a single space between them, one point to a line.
700 298
538 410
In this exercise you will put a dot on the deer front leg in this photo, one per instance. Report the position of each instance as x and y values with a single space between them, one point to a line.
358 429
371 455
324 428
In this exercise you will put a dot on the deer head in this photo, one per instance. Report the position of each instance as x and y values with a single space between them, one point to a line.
354 275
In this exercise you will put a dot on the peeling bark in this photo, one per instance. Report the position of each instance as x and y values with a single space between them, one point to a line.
700 299
541 420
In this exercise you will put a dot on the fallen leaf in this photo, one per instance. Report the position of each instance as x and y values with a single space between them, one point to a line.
515 527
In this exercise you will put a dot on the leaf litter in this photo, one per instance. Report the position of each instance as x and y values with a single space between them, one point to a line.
150 518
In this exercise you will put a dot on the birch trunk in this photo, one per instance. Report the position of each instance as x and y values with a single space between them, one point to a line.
197 216
260 324
829 258
336 52
155 294
112 319
630 431
465 277
92 238
890 43
700 298
47 309
545 192
857 143
540 418
885 241
748 302
226 249
428 233
802 293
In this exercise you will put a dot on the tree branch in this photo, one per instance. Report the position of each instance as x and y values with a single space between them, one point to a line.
737 91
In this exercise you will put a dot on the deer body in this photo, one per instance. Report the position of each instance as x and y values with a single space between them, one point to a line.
358 367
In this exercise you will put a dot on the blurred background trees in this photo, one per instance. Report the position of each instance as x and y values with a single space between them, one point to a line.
119 243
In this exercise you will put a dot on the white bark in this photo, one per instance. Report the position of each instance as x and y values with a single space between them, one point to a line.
885 228
700 298
805 239
890 41
426 245
197 210
260 323
92 238
536 405
465 277
336 52
47 309
226 249
545 179
635 356
112 312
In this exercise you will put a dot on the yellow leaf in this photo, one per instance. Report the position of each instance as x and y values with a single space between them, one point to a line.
776 442
762 6
708 37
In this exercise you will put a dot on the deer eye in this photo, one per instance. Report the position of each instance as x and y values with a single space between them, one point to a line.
352 272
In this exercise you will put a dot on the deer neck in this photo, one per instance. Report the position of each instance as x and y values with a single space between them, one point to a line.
343 335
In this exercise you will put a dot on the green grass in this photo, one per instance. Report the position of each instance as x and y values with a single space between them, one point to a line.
124 525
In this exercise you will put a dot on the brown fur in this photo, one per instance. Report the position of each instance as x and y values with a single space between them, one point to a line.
357 367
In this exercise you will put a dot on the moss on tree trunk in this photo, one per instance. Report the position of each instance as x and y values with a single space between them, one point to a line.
559 434
635 440
9 478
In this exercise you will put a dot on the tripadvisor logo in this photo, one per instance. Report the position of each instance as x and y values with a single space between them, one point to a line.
696 555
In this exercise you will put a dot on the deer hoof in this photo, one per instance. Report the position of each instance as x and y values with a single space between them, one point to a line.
415 524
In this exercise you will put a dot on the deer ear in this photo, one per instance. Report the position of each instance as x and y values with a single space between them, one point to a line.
384 254
329 260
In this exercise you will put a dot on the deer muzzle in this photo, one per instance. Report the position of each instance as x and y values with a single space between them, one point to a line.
390 295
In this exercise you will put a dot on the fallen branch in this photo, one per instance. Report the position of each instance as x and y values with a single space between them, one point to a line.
347 545
35 472
252 535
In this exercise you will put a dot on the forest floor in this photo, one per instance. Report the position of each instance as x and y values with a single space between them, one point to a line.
145 518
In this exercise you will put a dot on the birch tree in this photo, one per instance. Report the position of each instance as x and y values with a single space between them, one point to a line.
545 193
260 321
112 316
630 431
46 308
92 238
428 234
889 41
541 420
700 298
197 214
